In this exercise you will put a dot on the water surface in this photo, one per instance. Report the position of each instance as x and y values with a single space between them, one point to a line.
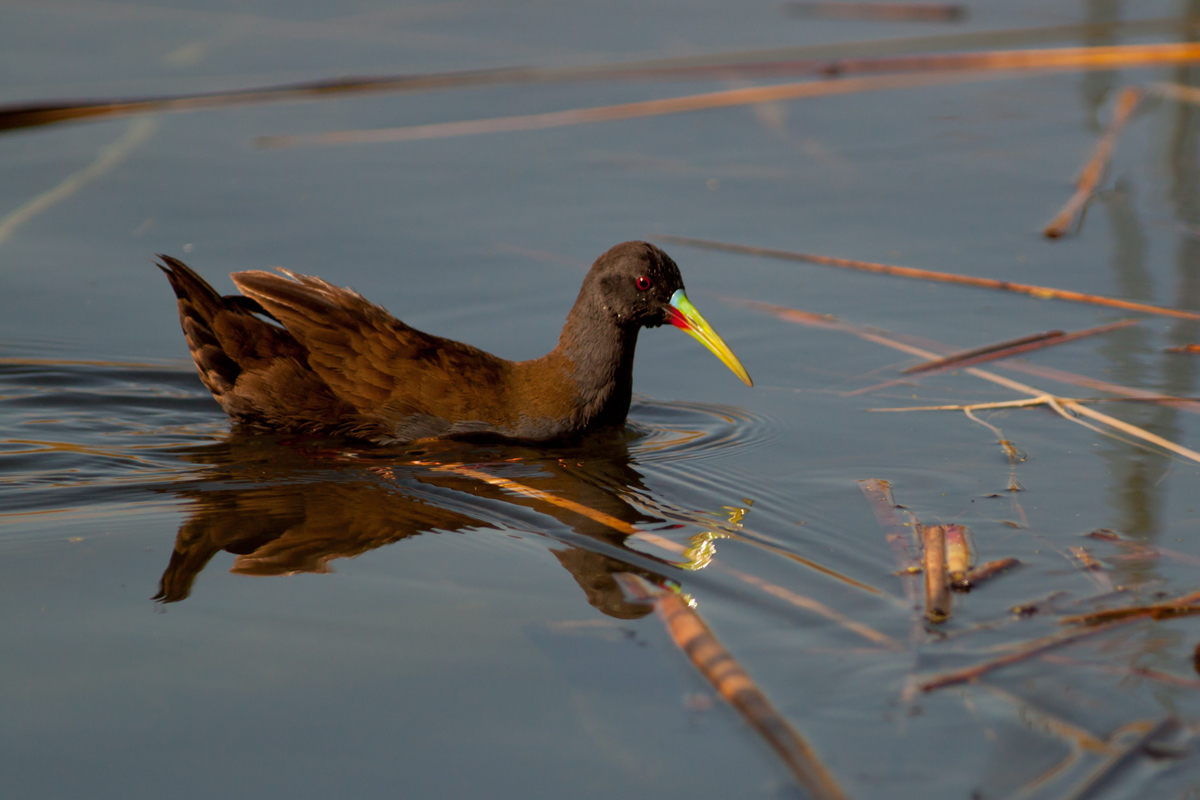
194 610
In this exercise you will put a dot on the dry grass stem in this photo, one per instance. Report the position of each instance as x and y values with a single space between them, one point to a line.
1073 379
994 352
1093 171
1040 292
1028 402
937 584
734 684
889 12
1062 406
1133 430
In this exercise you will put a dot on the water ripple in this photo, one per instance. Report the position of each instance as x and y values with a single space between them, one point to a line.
668 431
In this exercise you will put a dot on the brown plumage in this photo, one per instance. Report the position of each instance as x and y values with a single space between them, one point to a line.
338 364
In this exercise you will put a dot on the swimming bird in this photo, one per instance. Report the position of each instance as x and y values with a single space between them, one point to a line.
295 353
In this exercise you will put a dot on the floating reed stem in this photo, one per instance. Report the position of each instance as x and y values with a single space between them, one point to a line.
1031 649
937 585
902 72
1008 349
648 108
1040 292
878 12
734 684
1182 606
1090 625
1093 171
818 60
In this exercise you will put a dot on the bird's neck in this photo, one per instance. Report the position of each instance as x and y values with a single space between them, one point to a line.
598 363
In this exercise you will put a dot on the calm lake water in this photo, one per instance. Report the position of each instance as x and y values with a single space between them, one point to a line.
193 612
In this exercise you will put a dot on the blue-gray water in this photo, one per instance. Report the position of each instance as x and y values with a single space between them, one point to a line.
369 622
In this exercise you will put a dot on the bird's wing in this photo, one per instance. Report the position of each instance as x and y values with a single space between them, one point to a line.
387 370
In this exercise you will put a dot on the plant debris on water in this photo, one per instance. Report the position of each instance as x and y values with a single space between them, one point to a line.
983 616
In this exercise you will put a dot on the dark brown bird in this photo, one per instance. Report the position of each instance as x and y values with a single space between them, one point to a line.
338 364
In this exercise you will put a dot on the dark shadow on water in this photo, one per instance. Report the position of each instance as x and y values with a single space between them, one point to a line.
284 505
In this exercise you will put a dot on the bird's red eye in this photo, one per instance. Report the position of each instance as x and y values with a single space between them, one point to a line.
643 283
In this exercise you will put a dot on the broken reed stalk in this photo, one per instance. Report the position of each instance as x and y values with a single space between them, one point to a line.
1093 171
1040 292
621 526
889 12
734 684
1059 405
934 69
937 585
1008 349
983 572
958 554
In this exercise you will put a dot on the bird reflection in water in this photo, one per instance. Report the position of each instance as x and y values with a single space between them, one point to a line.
284 506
